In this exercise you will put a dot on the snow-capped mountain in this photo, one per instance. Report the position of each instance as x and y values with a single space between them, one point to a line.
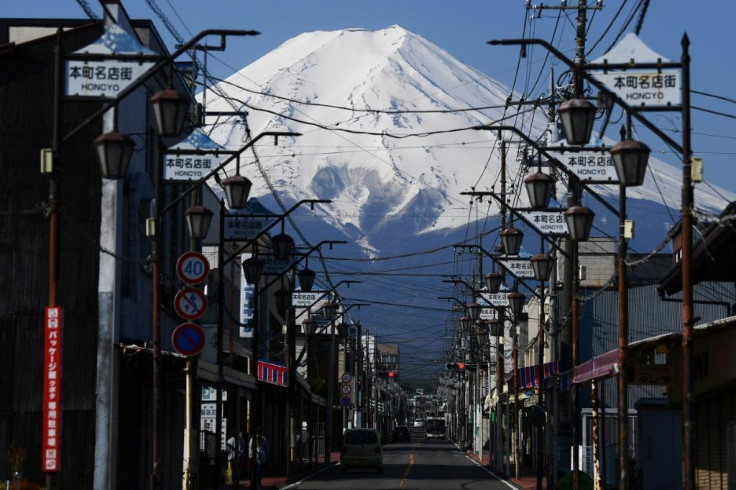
385 118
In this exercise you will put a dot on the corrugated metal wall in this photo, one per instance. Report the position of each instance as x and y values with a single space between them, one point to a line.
26 104
648 316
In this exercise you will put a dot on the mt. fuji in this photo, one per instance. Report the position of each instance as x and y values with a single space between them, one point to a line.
386 118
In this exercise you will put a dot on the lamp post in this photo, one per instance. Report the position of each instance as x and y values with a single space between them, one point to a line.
329 309
113 151
542 264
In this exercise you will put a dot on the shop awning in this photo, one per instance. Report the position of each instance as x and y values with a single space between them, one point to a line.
530 376
599 367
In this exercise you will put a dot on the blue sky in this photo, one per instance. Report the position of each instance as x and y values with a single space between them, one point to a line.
462 28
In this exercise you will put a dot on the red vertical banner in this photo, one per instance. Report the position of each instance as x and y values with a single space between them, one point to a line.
51 435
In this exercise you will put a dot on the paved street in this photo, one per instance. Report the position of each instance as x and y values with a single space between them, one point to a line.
421 464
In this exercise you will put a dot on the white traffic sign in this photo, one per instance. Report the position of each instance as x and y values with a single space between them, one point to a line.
102 79
496 299
649 88
183 168
589 165
305 299
192 267
347 377
637 86
489 313
345 389
546 222
520 268
106 78
190 303
243 227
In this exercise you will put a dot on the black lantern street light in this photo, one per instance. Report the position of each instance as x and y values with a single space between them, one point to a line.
329 309
198 220
630 159
539 186
114 150
309 326
283 246
542 265
577 117
579 222
253 269
495 327
516 302
306 279
237 190
511 239
473 309
170 109
465 323
493 282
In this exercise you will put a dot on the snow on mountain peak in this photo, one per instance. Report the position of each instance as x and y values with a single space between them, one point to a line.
360 98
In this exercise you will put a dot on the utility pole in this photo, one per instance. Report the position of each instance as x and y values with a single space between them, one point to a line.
502 318
572 278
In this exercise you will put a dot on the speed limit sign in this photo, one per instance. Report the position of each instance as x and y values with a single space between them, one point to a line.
192 267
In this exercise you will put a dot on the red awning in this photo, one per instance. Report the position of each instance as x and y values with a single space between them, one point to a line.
530 376
599 367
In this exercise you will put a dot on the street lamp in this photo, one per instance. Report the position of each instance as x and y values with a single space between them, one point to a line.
577 117
306 279
542 264
539 186
198 221
495 326
283 246
253 269
516 302
170 109
329 309
237 190
493 282
474 310
465 323
113 150
579 222
309 326
511 239
630 158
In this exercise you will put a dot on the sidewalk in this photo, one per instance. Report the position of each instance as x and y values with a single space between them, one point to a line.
528 476
272 480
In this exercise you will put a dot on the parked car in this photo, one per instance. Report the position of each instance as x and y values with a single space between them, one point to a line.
401 434
436 428
419 423
361 448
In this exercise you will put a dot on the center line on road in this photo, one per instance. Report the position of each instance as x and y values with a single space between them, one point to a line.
402 484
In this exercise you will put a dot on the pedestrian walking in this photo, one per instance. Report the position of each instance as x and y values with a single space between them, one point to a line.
258 445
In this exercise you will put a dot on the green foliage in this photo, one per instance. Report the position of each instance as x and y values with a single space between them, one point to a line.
586 482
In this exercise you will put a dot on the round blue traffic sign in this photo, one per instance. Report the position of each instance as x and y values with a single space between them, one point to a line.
192 267
188 339
190 303
345 401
